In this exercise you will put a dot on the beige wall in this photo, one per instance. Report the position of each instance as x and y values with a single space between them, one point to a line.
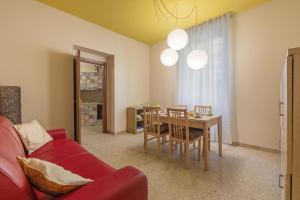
261 37
162 79
36 54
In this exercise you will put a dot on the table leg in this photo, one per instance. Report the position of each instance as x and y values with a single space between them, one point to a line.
220 135
205 146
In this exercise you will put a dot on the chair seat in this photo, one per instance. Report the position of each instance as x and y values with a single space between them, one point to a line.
199 129
164 128
193 133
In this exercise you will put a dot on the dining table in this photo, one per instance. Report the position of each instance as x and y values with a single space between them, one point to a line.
205 123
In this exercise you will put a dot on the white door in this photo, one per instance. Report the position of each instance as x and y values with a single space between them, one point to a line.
296 128
284 104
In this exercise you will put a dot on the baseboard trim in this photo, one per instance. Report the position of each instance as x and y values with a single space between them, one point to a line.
256 147
116 132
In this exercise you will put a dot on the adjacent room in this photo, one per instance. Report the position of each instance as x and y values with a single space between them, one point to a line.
150 100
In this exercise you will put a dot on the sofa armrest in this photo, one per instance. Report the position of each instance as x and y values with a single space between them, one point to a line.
127 183
58 133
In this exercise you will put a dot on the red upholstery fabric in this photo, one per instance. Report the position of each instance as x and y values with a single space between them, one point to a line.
70 155
58 133
113 188
13 182
110 184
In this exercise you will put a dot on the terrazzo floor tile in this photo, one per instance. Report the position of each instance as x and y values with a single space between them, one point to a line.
241 174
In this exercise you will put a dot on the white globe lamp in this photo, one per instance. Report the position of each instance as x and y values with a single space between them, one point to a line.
197 59
169 57
177 39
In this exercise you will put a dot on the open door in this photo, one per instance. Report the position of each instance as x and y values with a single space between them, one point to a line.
77 120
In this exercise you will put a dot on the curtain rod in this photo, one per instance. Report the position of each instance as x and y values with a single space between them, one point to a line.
230 14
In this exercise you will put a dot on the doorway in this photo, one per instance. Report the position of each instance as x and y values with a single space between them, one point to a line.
90 96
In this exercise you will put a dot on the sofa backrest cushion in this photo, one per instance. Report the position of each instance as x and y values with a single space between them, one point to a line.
13 182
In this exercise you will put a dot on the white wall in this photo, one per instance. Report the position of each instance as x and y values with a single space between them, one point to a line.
162 79
261 37
36 53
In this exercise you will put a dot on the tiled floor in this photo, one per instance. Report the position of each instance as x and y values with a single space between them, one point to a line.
241 174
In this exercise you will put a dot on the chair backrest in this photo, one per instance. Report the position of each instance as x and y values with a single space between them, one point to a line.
13 182
180 106
203 110
151 120
178 123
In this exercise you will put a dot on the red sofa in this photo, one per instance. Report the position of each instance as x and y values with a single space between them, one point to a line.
127 183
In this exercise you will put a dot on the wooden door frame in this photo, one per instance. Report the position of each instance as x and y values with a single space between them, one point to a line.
76 85
104 106
104 91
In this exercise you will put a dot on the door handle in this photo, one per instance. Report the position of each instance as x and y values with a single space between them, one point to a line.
280 104
279 182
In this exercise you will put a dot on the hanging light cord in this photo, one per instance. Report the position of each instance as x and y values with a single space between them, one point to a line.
164 5
157 8
196 28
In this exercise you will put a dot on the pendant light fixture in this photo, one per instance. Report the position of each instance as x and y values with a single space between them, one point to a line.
198 58
169 57
178 39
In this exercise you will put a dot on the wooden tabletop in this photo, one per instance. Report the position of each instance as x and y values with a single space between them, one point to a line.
210 120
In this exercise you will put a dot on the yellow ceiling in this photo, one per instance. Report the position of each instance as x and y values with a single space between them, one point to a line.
137 19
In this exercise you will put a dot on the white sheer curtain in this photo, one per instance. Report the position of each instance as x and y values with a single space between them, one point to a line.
210 85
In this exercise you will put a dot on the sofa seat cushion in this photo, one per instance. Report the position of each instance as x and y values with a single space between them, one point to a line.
73 157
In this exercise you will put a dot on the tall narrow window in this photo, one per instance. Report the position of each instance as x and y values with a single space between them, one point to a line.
211 84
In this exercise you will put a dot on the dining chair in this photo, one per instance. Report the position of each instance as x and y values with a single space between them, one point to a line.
204 110
179 132
180 106
152 127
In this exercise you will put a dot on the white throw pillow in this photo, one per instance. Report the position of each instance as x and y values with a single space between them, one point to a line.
49 177
33 135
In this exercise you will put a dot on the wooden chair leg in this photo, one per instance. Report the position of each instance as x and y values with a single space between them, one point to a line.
208 141
187 155
158 146
170 149
203 148
145 142
180 149
199 148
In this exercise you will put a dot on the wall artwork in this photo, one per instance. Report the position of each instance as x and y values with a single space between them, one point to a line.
10 103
